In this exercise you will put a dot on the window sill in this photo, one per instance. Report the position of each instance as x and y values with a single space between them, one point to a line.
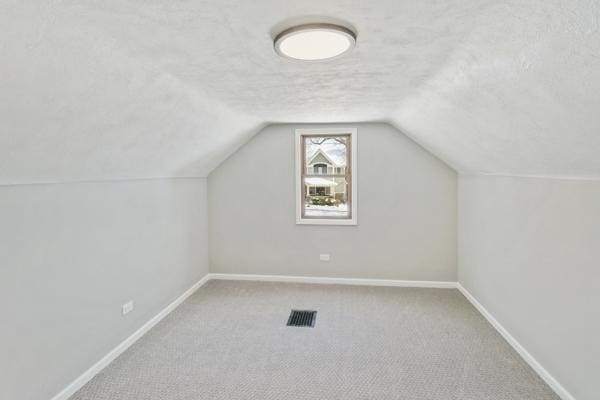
315 221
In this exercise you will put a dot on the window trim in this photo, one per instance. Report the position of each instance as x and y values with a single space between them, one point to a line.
353 185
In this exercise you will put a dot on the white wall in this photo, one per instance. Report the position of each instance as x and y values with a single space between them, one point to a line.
529 251
406 212
72 254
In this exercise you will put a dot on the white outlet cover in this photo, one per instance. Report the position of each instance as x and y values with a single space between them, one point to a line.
127 307
324 257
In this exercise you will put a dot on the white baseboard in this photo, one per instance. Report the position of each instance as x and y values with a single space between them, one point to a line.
335 281
533 363
114 353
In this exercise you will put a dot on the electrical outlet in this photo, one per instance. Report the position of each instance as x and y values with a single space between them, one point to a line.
127 307
324 257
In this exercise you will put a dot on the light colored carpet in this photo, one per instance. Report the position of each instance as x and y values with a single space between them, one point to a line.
229 341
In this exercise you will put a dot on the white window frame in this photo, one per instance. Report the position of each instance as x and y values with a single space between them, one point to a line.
299 133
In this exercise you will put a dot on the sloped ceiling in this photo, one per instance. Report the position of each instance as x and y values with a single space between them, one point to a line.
93 90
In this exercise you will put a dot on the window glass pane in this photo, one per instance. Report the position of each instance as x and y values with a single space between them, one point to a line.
326 201
326 195
324 153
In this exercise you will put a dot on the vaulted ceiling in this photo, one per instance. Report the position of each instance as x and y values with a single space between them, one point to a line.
93 90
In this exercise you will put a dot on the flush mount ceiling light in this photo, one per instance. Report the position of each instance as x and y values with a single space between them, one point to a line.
313 42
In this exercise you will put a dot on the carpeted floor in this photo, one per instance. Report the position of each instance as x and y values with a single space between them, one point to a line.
229 341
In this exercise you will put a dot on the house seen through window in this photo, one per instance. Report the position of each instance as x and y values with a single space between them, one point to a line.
325 181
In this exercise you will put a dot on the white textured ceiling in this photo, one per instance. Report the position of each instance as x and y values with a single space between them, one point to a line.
139 89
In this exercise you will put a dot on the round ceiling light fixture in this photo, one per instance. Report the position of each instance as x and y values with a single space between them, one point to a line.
314 42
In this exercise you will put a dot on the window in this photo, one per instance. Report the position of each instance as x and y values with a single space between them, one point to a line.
326 176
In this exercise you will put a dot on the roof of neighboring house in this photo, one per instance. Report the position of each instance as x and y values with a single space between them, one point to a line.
334 156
